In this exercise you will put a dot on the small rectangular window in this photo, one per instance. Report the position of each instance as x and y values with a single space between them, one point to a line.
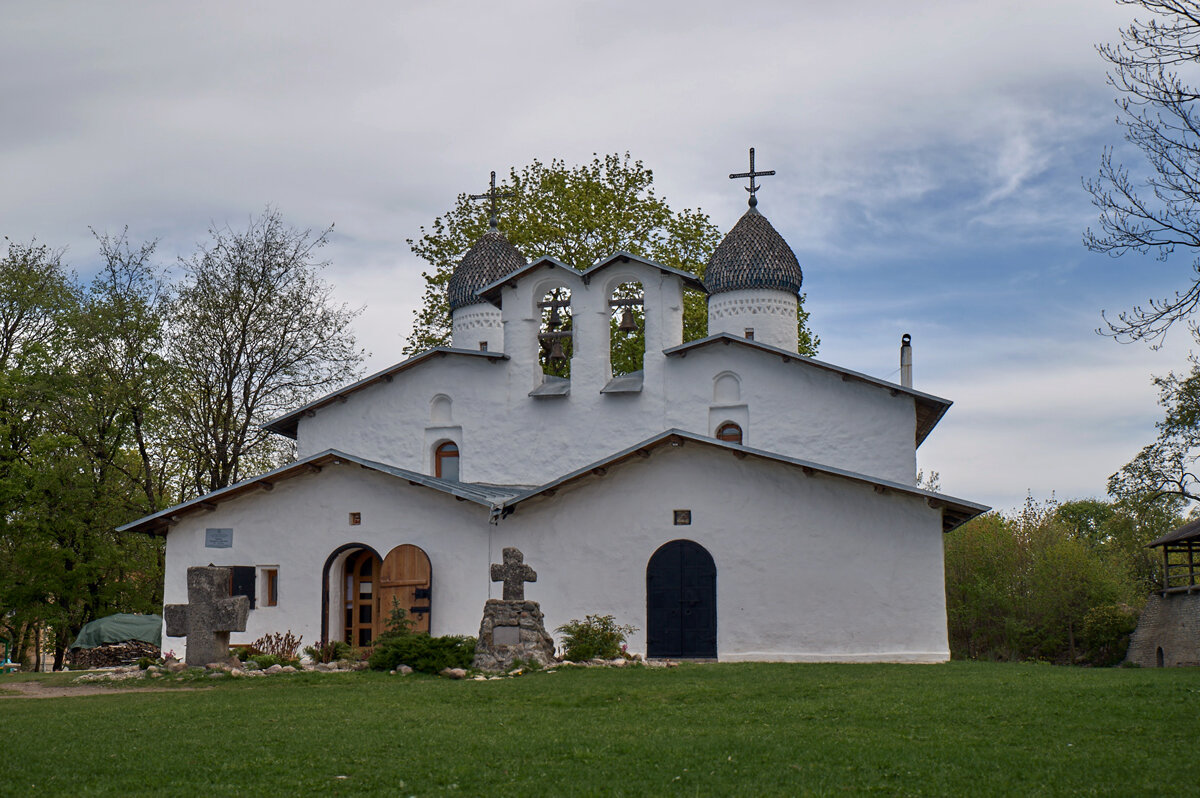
241 581
270 597
483 346
355 519
683 517
749 333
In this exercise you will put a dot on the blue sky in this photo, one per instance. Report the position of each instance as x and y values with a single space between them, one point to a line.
929 159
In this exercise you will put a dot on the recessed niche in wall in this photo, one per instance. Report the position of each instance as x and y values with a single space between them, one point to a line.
355 519
683 517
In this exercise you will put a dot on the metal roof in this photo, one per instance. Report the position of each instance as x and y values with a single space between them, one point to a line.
930 408
490 258
502 500
286 424
487 495
753 255
955 512
492 292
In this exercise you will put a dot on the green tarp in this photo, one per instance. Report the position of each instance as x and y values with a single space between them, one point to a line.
119 628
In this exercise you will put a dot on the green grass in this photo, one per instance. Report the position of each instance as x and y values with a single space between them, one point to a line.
957 729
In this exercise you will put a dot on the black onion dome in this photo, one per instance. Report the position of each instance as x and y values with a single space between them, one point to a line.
753 255
491 258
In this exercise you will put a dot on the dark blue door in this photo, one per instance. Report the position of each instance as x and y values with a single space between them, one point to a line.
681 602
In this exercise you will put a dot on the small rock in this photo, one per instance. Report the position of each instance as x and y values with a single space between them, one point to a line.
326 667
359 666
217 675
276 668
176 667
479 678
155 675
453 673
152 669
393 673
404 670
617 663
214 666
287 669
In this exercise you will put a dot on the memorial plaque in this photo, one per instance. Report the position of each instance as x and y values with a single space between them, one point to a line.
218 538
506 635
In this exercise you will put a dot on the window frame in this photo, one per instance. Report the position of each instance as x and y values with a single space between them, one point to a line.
442 453
722 431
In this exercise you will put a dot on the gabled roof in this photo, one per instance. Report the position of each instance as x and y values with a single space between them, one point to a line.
930 408
492 292
286 424
1189 531
955 512
490 496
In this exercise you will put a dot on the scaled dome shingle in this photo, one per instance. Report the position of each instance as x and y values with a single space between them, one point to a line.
491 258
753 255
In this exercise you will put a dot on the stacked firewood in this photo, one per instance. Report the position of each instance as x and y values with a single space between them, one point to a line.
111 655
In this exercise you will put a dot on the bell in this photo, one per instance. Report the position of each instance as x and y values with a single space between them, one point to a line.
628 323
556 351
555 321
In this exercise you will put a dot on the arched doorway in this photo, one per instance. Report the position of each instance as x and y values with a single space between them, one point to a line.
359 600
407 577
681 602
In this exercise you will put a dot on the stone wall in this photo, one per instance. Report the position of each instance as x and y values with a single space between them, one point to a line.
1170 623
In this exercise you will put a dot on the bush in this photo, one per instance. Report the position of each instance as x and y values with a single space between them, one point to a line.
332 651
284 646
597 636
422 652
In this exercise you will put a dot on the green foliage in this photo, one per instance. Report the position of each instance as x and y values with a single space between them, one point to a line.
1054 582
332 651
577 214
596 636
422 653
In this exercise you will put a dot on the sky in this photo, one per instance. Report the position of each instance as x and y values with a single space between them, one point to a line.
929 160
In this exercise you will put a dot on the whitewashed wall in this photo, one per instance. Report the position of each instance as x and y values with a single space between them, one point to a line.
808 568
506 436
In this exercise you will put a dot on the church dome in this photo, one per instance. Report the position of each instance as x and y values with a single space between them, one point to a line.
491 258
753 256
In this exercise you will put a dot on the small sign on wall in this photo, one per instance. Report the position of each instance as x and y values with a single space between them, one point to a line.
683 517
218 538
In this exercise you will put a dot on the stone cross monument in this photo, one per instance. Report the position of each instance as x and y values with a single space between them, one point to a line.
512 628
208 617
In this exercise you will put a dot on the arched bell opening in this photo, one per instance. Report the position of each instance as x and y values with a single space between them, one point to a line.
555 338
627 329
681 602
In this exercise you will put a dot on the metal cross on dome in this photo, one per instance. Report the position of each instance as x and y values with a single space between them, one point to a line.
752 174
493 195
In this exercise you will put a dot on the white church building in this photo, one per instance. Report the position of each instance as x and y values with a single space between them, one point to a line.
732 499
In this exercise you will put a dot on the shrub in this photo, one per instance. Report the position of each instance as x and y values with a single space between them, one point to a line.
422 652
284 646
332 651
267 660
596 636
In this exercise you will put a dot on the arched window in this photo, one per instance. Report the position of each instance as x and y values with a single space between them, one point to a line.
445 461
554 337
729 432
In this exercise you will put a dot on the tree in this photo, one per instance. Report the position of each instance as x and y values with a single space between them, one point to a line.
576 215
1153 69
253 333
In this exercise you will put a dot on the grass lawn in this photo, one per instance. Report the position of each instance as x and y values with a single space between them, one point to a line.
731 729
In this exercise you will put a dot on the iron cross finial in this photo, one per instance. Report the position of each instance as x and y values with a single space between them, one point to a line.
752 174
493 195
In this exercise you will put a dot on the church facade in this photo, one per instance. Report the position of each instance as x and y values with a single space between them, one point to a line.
729 497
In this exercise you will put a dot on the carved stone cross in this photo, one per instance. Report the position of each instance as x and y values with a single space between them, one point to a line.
514 573
208 617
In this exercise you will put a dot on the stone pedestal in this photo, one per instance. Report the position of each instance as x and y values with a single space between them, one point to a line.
512 630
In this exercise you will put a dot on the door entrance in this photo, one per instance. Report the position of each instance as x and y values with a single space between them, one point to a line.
406 576
681 602
361 604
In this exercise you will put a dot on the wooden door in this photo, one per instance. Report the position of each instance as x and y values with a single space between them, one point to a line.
407 577
361 600
681 602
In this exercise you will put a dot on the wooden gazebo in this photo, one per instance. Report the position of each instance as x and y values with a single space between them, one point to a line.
1181 558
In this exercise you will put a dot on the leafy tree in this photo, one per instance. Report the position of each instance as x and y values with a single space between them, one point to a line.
578 215
1153 70
254 332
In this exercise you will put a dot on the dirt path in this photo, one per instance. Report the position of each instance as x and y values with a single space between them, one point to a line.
38 690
